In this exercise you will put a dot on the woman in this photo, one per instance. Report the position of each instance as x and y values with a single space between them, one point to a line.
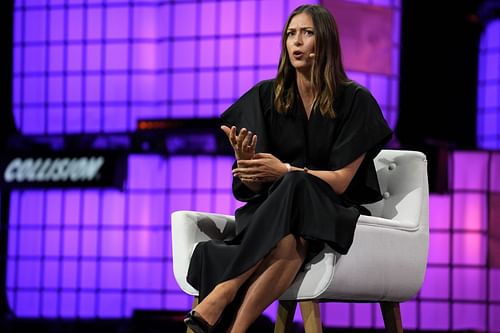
304 165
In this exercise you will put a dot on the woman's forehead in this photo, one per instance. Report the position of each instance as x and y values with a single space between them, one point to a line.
301 20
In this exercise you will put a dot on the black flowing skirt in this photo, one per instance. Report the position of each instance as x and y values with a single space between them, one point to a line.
298 203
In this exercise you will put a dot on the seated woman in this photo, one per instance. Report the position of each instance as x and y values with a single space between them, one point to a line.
304 146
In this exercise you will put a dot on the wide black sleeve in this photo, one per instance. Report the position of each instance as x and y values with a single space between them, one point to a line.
362 129
249 112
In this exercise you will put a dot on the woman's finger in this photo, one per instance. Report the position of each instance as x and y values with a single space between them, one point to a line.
241 136
232 136
246 141
226 130
246 171
254 142
252 179
249 163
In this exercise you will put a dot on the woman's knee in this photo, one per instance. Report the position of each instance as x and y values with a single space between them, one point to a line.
290 246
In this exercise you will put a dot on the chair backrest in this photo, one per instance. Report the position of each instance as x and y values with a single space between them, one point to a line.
402 177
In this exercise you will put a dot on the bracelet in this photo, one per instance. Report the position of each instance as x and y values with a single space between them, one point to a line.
306 170
288 167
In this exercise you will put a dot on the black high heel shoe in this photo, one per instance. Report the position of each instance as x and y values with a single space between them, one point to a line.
196 323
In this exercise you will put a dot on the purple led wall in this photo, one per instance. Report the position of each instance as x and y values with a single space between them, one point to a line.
461 287
89 66
488 103
84 253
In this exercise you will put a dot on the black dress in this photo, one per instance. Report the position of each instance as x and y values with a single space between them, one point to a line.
298 202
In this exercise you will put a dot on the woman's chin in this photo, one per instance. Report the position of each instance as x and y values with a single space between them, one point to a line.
302 67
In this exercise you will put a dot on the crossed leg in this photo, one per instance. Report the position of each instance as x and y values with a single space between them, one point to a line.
266 281
273 276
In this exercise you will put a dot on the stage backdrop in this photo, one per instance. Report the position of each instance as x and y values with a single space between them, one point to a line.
96 67
488 93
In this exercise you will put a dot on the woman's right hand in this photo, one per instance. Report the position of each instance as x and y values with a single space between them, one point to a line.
243 144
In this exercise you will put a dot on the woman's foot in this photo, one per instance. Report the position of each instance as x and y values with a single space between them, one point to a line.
211 308
196 323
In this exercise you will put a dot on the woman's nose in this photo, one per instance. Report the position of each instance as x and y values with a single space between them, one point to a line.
298 40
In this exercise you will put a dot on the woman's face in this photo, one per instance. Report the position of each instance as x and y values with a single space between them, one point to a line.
300 41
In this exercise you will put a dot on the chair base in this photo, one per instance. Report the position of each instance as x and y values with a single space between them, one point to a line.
312 320
392 317
284 319
311 317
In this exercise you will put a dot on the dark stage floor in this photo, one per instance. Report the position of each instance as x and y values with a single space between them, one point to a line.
147 322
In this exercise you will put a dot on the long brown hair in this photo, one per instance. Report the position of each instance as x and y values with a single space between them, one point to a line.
327 71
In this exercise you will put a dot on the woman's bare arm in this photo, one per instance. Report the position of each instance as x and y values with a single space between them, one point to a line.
267 168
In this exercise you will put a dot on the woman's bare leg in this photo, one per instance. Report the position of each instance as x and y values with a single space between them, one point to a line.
273 276
214 303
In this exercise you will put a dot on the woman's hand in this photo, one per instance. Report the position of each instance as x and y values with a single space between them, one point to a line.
243 144
261 169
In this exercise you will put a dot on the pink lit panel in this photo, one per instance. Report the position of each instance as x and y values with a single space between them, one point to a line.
435 315
143 244
470 211
494 318
147 172
494 230
178 301
470 170
364 314
366 35
204 203
469 284
147 209
439 248
181 172
335 314
113 208
436 283
495 173
408 314
145 276
145 22
142 301
107 304
469 248
469 316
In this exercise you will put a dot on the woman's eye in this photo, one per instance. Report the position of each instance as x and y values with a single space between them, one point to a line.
289 33
308 33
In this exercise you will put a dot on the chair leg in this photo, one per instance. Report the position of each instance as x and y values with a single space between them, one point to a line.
392 317
311 316
195 303
284 320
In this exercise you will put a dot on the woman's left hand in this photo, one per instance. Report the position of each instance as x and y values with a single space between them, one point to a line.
261 169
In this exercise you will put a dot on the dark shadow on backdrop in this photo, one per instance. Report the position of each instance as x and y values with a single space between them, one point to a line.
438 80
7 128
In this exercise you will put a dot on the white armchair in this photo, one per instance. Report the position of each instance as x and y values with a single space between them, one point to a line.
385 264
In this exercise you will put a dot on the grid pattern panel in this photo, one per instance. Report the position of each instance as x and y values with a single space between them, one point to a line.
458 291
83 67
488 104
88 253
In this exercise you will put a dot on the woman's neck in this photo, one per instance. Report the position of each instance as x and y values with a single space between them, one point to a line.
306 92
304 84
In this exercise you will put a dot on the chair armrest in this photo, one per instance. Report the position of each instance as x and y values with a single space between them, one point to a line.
188 229
381 222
